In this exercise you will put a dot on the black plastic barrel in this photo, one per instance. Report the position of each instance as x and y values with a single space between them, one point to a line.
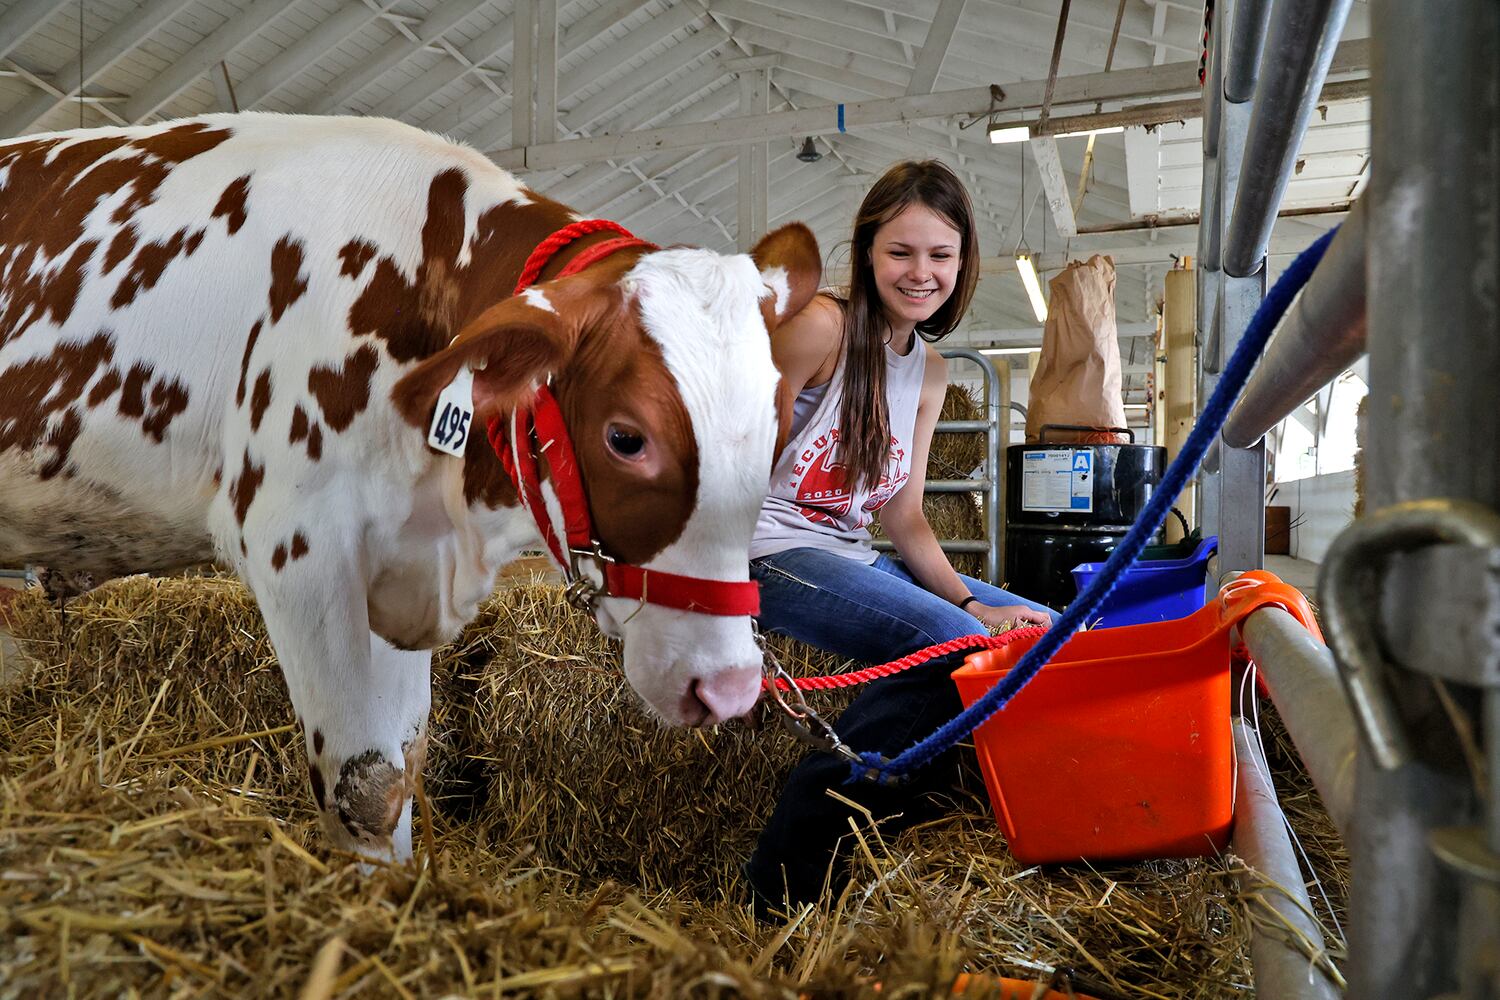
1067 504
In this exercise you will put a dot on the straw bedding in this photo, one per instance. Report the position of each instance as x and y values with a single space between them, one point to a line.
156 839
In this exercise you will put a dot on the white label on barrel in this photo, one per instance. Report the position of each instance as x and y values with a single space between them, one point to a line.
1058 480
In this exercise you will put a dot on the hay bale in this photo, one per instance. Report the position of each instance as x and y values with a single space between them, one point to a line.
957 455
152 843
557 753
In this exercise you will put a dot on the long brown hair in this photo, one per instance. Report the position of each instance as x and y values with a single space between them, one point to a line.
864 418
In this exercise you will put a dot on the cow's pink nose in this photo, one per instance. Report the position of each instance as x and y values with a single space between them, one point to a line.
724 695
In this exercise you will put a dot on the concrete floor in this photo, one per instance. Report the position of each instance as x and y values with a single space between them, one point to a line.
1300 573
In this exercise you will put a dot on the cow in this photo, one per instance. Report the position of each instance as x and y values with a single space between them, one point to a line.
229 337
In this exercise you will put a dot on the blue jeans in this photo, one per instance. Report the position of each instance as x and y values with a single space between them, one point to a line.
873 613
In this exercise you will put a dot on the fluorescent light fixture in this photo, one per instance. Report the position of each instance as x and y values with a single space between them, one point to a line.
1021 133
1110 130
1009 133
1033 287
1008 350
1137 406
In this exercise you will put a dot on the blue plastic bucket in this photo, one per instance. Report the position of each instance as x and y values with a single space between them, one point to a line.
1153 591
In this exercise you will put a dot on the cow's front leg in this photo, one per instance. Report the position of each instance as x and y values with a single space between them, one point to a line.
363 706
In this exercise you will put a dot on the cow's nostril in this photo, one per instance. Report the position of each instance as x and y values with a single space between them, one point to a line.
695 710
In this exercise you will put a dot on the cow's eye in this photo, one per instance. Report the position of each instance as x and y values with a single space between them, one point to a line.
624 442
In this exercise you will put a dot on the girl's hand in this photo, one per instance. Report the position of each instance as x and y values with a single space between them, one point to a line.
996 617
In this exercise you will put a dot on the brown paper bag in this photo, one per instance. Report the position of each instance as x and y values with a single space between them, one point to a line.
1077 382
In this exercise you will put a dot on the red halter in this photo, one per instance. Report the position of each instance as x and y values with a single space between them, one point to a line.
542 429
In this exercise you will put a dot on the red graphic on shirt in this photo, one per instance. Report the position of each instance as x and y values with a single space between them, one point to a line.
823 494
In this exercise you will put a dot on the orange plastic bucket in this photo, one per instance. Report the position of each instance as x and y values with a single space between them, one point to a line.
1120 747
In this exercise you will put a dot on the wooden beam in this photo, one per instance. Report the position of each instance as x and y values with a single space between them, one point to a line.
939 36
1054 184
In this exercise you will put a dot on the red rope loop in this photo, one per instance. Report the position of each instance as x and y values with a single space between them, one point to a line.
567 234
830 681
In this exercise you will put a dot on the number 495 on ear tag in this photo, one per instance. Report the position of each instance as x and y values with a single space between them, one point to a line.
453 416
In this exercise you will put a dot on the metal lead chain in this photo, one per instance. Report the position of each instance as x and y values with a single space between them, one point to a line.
801 721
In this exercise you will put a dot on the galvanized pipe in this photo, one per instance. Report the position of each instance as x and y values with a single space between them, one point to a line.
1213 87
1287 950
1322 334
1309 697
1245 40
1299 48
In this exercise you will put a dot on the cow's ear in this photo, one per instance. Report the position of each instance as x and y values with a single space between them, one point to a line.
790 268
512 346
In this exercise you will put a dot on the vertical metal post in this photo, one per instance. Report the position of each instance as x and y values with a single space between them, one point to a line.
1209 245
1417 927
754 185
1241 475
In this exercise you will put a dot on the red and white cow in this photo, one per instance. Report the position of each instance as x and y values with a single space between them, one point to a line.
225 338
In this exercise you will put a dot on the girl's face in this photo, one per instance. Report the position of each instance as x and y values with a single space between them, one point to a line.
915 257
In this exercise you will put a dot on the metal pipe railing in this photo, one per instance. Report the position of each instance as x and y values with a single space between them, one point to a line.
1287 952
1245 39
1321 335
1305 688
1299 48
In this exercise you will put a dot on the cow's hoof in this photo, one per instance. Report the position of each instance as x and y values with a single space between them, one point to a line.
370 811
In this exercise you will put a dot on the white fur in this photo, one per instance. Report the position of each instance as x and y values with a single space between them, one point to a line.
778 284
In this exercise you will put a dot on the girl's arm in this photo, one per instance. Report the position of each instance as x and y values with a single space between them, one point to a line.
907 525
805 350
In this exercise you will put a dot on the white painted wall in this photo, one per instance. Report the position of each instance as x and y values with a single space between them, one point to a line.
1324 505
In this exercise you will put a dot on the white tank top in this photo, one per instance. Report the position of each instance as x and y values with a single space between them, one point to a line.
810 504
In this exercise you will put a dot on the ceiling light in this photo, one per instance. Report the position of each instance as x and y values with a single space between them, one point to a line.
1137 406
1110 130
1009 133
1033 287
1008 350
809 153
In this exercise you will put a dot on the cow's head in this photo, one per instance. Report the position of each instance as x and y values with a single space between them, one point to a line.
662 367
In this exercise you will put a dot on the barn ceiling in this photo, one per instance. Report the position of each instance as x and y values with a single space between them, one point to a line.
626 65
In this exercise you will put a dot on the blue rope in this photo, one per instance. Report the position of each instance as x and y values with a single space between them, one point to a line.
878 768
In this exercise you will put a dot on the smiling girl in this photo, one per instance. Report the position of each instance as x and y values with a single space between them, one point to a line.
861 388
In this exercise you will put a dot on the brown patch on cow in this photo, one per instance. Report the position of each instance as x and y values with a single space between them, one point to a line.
193 241
147 268
260 399
278 558
242 491
315 443
299 425
132 394
370 795
318 741
239 392
231 204
105 387
183 142
315 778
119 248
635 516
343 393
299 546
32 391
218 476
169 397
49 192
288 283
355 254
60 439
